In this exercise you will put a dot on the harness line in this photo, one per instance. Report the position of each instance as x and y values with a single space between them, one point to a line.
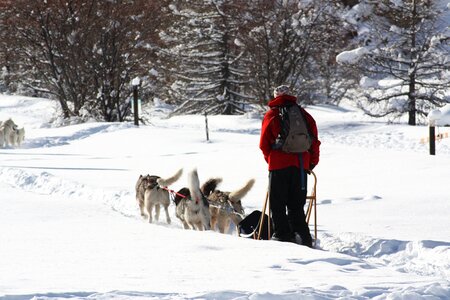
227 208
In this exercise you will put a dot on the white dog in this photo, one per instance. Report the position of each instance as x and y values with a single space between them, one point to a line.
6 128
155 195
16 137
19 136
192 206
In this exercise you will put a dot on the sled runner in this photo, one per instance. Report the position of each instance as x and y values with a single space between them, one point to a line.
258 225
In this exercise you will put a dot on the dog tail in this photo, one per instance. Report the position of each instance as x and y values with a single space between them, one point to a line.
170 180
209 186
240 193
194 186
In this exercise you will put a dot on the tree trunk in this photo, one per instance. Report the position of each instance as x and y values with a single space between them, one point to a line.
67 113
412 72
412 99
412 112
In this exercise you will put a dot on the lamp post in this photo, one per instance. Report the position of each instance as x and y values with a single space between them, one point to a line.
433 117
135 83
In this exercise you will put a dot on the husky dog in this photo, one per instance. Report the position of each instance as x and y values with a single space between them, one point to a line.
16 137
192 206
154 195
6 128
143 183
225 206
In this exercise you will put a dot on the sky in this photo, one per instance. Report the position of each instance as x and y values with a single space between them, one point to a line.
70 226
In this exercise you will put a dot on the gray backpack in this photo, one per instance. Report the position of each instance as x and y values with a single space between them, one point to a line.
294 136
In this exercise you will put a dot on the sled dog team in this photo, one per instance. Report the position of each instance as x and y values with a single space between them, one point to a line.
11 134
199 207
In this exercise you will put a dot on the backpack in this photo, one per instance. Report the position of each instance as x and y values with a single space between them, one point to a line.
294 136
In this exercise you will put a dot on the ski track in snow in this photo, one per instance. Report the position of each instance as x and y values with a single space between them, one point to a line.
334 292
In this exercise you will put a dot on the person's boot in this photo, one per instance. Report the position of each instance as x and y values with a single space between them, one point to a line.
284 237
304 242
297 238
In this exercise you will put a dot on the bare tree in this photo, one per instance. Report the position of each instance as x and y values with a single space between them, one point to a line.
84 52
290 42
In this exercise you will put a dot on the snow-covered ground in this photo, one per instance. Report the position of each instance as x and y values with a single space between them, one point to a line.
70 226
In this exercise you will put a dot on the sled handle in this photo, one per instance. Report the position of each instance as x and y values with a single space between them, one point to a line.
313 204
261 219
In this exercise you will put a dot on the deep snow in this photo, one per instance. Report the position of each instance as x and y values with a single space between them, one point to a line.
70 226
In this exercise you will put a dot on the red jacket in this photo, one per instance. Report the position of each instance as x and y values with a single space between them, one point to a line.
270 129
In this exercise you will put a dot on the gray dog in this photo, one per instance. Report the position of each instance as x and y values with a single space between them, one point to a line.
151 193
156 196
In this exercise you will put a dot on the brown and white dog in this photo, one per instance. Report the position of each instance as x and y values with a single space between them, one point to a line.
192 206
150 193
143 182
225 207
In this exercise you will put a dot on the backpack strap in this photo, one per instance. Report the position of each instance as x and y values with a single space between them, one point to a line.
307 124
282 134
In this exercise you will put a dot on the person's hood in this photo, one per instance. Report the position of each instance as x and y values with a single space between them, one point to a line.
282 100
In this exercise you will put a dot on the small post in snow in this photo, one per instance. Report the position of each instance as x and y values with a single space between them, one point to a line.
135 82
433 117
206 126
432 140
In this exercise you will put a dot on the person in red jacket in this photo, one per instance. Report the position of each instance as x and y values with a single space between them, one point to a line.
287 172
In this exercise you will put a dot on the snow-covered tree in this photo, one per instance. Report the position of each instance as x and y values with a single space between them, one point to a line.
204 57
406 43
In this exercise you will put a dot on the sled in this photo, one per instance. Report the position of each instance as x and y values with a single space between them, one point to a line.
254 225
250 225
312 204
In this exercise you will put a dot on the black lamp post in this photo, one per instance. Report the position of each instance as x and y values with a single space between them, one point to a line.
433 117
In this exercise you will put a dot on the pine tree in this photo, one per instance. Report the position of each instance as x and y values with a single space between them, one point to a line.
204 58
406 42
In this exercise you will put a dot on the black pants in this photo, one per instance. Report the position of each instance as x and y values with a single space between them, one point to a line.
287 195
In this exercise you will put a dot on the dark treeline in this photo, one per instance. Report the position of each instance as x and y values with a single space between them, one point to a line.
223 56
